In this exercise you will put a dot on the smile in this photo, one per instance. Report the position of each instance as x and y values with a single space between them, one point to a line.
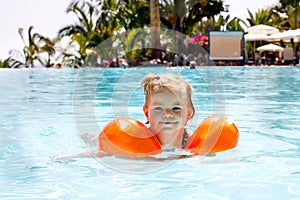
167 122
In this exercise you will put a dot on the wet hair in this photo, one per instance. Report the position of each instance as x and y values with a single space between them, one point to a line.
173 83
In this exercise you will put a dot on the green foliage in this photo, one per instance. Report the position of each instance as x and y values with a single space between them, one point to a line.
292 11
96 21
34 46
10 63
262 16
235 24
133 14
134 44
287 3
5 63
184 16
283 16
81 33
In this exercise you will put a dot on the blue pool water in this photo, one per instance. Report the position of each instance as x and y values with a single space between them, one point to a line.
43 110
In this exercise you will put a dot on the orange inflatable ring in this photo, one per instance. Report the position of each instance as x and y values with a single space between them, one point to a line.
214 134
128 137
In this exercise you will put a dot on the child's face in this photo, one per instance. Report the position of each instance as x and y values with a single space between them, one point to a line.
167 113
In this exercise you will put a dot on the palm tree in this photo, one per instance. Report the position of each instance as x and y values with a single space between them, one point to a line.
291 8
133 14
47 46
5 63
235 24
232 25
30 49
172 14
155 31
292 19
184 15
82 33
134 43
11 63
262 16
34 46
108 22
97 21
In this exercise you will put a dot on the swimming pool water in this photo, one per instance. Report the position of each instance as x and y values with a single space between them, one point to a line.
43 110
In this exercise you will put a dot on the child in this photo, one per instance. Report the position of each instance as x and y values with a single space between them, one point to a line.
168 107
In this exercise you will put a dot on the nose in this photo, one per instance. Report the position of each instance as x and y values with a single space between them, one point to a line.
167 113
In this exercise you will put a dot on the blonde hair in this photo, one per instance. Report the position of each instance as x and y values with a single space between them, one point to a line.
174 83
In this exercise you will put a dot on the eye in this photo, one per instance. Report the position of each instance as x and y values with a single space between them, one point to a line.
176 108
158 108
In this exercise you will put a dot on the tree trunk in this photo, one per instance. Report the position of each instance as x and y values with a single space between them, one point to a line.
155 28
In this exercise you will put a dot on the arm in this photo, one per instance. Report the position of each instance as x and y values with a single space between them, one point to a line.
85 154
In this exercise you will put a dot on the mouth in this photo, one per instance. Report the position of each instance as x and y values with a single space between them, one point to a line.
167 122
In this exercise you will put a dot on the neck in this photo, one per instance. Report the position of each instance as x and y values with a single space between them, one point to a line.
174 139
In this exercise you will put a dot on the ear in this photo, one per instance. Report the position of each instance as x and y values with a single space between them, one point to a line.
190 113
145 109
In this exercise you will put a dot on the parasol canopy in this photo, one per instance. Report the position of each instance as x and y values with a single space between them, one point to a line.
270 47
262 29
287 35
256 37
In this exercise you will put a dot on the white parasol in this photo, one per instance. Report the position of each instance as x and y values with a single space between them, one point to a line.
287 35
270 47
262 29
256 37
